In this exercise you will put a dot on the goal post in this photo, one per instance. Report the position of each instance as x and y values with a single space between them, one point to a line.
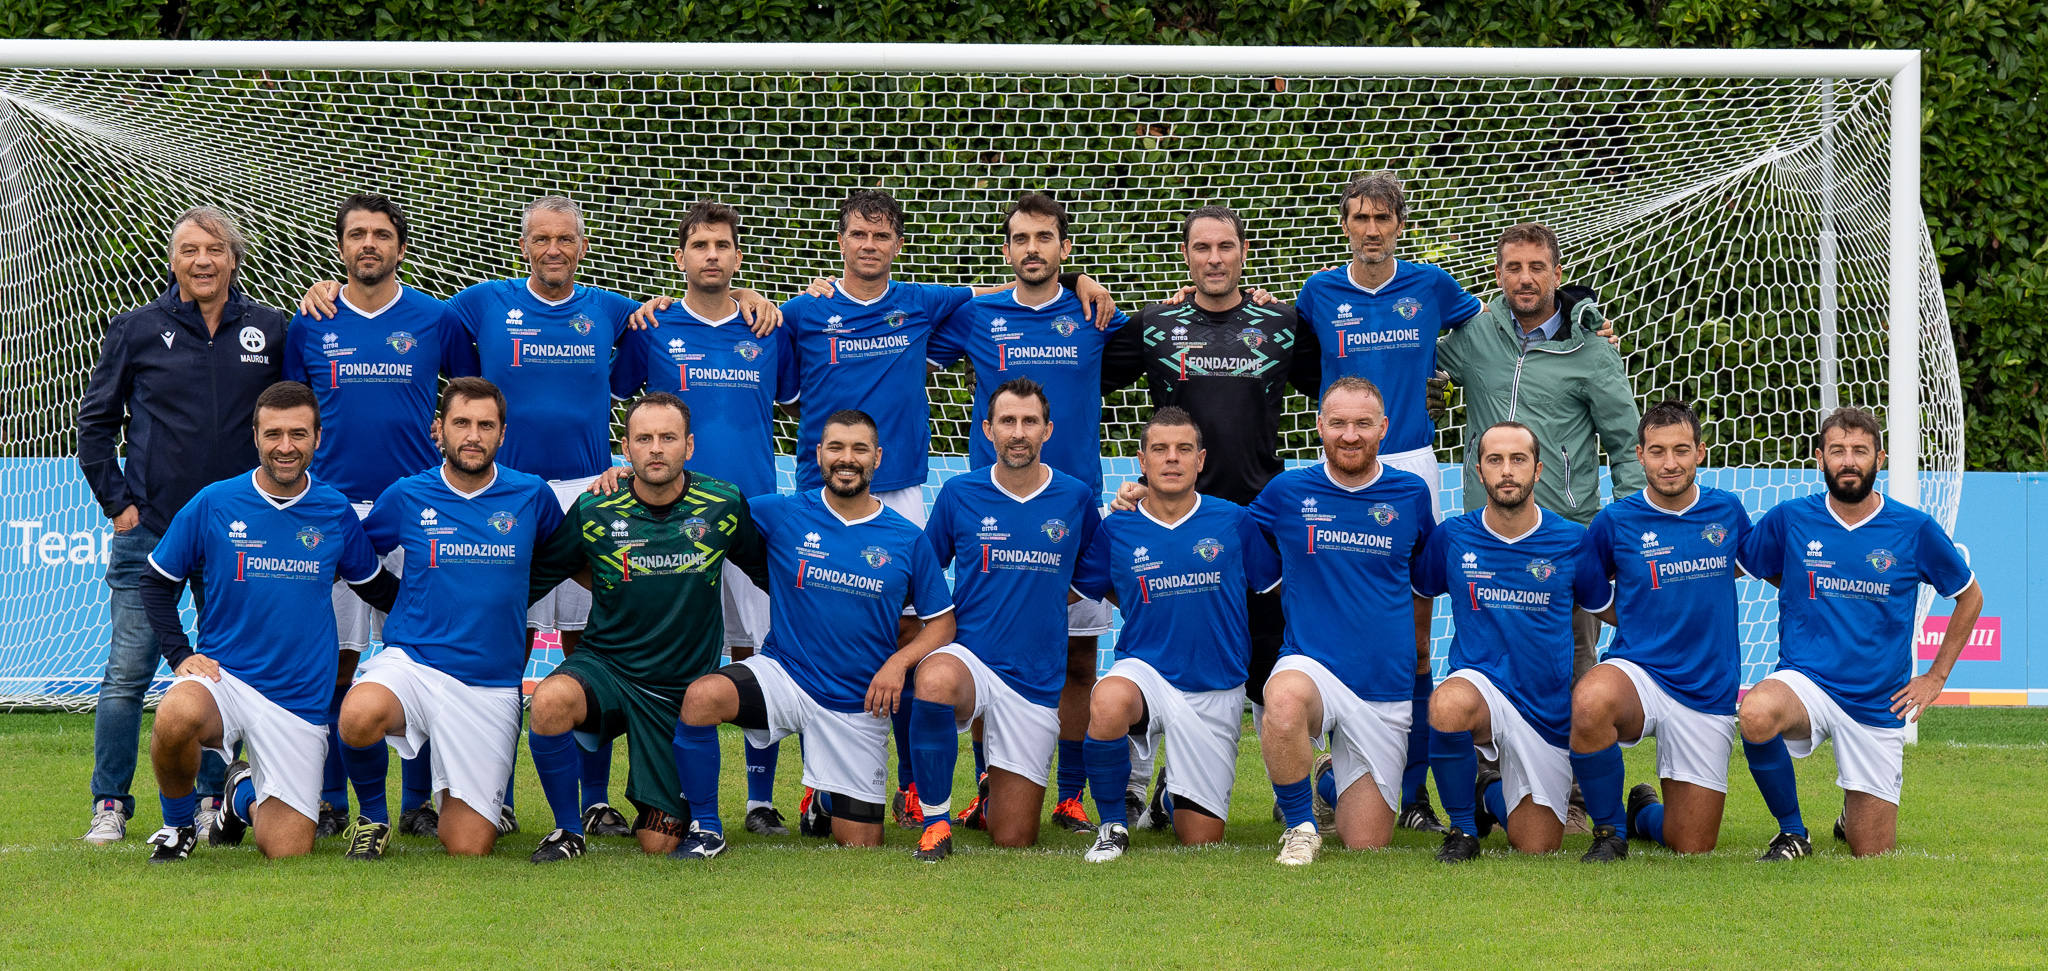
1751 218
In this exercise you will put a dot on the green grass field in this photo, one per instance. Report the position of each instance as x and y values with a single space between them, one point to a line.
1965 889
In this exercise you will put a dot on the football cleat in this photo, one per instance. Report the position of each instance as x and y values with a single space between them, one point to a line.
558 846
600 819
420 820
1300 845
331 821
368 840
202 816
1071 816
765 821
229 827
904 808
1110 842
1326 813
109 824
1418 816
1481 816
1156 816
1278 816
1842 827
1787 846
698 844
1608 846
1457 847
811 818
173 843
1136 810
1642 797
936 843
508 822
976 816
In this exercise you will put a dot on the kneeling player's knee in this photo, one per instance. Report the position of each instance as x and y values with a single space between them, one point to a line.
1112 707
359 727
1760 719
711 700
557 705
1451 708
940 678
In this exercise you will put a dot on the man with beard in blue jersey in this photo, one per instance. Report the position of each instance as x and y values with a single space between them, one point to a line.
1845 638
1014 534
732 380
452 676
269 546
1676 662
840 567
1348 532
1177 567
374 367
1512 571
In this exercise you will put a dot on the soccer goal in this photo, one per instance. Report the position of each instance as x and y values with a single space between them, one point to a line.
1750 218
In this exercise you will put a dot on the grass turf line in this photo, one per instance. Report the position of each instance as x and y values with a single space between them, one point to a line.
1964 890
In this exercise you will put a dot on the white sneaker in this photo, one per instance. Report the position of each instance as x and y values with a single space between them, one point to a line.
202 818
108 824
1110 842
1299 846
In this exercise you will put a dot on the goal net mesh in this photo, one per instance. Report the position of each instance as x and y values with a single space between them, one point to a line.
1701 210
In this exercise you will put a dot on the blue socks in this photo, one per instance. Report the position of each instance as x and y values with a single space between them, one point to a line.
1771 765
980 761
1073 769
934 749
761 772
1650 823
1456 764
1327 786
696 752
1600 776
1496 803
243 799
416 779
180 810
899 725
596 773
333 777
1109 769
367 769
1416 774
1296 801
555 761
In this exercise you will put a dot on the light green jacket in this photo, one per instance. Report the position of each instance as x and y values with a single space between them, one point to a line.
1569 390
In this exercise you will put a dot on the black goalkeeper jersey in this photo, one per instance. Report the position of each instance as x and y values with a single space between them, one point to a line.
1230 370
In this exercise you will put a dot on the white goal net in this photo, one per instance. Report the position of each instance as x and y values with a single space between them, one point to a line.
1736 228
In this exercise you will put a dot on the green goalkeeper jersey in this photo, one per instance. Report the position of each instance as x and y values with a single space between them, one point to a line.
657 611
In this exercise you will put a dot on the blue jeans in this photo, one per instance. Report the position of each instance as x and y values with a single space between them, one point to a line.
132 661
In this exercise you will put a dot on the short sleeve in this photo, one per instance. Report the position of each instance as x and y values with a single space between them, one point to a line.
617 307
1116 323
1763 550
459 354
788 378
1743 529
1427 572
949 340
1591 589
382 525
1942 565
1458 306
938 531
358 563
928 593
942 301
1263 509
180 552
1424 512
1091 574
1261 562
768 512
548 513
629 366
1091 523
294 363
1596 550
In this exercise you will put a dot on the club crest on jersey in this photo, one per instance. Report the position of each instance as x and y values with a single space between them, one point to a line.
1252 337
238 530
747 350
309 537
1208 549
875 556
1382 513
502 522
1064 326
1715 533
402 342
1881 560
1407 307
252 338
895 318
1541 569
696 528
582 325
1054 530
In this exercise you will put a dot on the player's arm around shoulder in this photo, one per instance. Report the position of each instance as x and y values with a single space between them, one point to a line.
561 552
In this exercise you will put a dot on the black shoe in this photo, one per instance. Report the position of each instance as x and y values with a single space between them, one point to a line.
1642 797
976 816
369 840
1326 812
558 846
1137 810
1278 816
1484 820
1787 846
811 818
1842 827
420 820
1071 816
1156 815
1421 817
173 843
1111 840
228 829
508 822
331 823
1608 846
1457 847
602 820
765 821
698 844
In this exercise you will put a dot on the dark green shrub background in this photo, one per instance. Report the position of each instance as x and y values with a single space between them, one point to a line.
1986 63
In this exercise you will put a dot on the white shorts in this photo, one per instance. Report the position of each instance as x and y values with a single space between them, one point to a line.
1867 759
746 608
475 730
1422 462
567 607
1529 766
357 623
1020 736
1692 746
287 754
1364 737
1088 618
1201 727
909 501
843 751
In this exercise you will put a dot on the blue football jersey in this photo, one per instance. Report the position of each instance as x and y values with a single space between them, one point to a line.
1350 551
553 361
1674 591
376 374
269 567
1512 603
1013 561
1847 595
1387 336
869 356
462 603
731 380
836 590
1055 344
1181 589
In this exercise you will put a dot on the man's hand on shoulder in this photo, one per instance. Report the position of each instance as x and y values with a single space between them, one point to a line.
609 481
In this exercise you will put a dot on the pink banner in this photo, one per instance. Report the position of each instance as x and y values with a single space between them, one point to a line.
1984 641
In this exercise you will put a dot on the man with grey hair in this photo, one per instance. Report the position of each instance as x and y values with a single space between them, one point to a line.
202 333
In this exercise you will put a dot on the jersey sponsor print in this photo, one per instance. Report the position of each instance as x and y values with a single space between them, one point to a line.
732 381
1387 336
376 373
